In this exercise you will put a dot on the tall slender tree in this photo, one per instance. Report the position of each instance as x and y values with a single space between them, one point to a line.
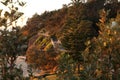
11 41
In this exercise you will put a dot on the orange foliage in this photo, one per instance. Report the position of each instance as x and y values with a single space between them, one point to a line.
25 33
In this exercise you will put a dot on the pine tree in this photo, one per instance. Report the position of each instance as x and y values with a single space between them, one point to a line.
11 41
101 57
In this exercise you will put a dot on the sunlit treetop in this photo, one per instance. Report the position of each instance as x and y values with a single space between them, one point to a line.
10 13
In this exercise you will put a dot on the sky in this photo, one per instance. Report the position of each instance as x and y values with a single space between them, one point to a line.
39 6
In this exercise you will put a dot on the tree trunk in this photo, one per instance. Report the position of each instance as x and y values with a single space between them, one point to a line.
78 68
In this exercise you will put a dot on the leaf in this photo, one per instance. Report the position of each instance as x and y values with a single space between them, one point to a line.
18 15
3 21
21 3
16 8
13 12
5 2
1 11
6 14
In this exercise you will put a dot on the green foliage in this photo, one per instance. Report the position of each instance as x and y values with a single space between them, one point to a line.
11 41
75 37
12 75
101 57
66 68
76 27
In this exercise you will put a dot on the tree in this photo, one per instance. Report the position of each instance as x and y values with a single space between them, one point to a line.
85 47
76 2
11 41
74 38
41 54
112 1
101 56
66 68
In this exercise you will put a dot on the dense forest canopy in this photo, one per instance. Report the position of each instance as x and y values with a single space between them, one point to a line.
72 25
81 37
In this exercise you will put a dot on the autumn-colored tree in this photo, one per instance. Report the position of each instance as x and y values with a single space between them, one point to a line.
33 25
112 8
73 25
41 54
75 39
101 57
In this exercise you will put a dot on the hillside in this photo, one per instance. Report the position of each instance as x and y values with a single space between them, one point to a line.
76 21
